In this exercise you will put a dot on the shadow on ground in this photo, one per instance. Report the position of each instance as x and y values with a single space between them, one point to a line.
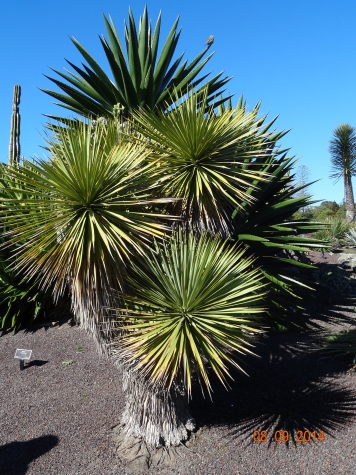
285 390
291 387
40 324
38 363
15 457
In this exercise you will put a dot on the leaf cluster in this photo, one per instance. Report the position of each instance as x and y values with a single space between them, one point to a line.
87 210
193 305
343 152
141 78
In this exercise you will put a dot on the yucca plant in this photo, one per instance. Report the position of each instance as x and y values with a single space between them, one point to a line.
190 310
338 228
266 227
334 232
324 234
343 163
141 79
201 157
89 211
22 301
235 181
350 237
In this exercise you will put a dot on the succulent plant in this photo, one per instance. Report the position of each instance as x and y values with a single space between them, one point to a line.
14 147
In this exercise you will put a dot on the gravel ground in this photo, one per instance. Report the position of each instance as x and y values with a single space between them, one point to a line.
57 419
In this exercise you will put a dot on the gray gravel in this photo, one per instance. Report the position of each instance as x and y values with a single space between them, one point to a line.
58 420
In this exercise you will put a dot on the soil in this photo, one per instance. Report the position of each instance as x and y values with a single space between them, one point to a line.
60 415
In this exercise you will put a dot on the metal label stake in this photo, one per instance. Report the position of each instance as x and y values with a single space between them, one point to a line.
23 355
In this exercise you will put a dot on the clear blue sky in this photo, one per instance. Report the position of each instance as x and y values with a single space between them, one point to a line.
296 56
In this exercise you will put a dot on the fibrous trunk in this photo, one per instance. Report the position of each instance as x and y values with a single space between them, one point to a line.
349 199
160 417
93 317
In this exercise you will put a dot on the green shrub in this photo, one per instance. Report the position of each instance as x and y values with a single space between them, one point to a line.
22 302
341 344
335 232
350 238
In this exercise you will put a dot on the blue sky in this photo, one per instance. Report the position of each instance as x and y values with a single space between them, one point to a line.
296 56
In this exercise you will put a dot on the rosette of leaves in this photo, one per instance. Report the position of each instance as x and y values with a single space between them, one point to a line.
190 308
84 213
142 78
265 226
22 301
350 237
201 158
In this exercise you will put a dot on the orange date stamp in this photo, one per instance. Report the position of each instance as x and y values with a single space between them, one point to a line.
282 436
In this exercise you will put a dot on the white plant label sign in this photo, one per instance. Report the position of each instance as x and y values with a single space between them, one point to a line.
23 354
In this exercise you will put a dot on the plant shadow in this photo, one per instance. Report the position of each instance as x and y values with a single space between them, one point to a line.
290 388
332 301
15 457
64 320
44 324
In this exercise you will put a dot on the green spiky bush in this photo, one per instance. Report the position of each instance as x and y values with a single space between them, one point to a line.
193 304
22 302
267 228
336 232
350 237
341 345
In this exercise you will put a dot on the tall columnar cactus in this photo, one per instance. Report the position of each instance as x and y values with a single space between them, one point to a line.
14 147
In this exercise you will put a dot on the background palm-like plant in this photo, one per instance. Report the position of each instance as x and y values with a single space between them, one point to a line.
141 79
88 212
343 162
190 308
